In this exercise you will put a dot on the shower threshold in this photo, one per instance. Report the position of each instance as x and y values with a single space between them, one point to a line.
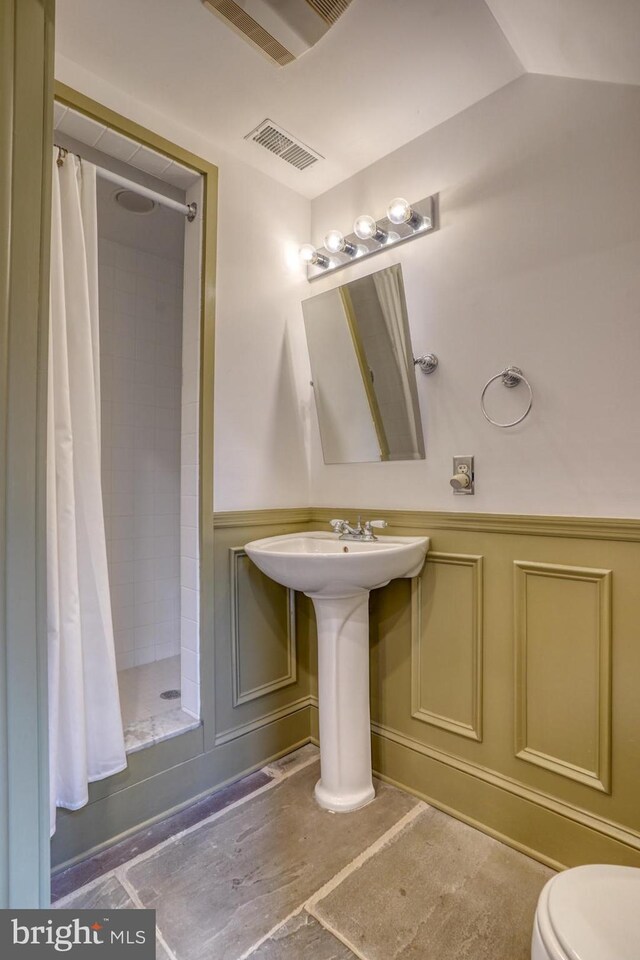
147 716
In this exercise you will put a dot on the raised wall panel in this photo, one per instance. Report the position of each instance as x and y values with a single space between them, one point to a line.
263 631
563 670
446 647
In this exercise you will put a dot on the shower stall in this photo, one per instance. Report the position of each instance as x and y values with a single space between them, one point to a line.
147 245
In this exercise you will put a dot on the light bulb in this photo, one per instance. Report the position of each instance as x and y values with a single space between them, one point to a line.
336 243
400 211
366 228
309 255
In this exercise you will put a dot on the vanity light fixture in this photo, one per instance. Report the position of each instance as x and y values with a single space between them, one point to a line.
309 255
366 228
404 221
335 242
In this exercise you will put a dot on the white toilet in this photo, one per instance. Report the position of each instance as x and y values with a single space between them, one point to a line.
589 913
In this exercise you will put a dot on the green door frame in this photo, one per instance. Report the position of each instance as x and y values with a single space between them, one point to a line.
26 106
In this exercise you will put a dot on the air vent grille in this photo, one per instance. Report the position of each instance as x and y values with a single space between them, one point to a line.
329 10
273 138
251 29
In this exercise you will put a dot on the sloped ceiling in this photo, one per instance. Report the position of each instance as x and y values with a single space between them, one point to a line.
388 71
587 39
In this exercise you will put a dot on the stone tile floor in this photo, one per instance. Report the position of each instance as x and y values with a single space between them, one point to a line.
268 875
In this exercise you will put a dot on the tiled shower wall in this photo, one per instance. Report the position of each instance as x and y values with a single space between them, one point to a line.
140 366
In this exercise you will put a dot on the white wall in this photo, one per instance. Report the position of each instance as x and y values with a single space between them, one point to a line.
537 264
262 365
260 451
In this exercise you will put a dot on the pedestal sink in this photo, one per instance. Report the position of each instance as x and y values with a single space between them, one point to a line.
338 575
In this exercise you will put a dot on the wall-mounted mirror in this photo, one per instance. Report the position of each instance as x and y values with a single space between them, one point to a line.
363 373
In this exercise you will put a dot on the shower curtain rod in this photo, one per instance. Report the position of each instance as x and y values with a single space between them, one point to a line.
189 210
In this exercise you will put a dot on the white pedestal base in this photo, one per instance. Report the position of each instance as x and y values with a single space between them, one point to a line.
343 697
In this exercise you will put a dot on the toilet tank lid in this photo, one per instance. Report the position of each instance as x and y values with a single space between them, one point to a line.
594 912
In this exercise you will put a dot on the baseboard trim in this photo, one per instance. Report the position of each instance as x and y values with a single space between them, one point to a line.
226 736
582 818
453 812
582 837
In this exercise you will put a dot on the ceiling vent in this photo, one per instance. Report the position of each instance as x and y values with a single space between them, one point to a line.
329 10
281 29
284 145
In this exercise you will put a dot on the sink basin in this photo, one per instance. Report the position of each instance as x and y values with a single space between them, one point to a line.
338 575
320 564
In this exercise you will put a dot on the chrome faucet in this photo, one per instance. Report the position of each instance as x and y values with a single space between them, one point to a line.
359 532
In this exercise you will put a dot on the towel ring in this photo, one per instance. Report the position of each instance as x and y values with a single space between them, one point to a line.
511 377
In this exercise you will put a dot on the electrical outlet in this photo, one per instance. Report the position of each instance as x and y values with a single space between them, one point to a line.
464 465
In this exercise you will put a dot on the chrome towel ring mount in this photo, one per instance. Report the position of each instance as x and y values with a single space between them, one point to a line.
511 377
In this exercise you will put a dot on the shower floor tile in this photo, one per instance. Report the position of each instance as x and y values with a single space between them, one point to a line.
274 877
146 717
140 689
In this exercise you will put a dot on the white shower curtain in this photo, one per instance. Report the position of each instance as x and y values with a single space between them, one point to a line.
86 741
388 290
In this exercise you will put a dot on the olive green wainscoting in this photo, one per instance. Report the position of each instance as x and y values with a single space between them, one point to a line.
504 679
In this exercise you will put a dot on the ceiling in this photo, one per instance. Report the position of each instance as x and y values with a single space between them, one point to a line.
388 71
588 39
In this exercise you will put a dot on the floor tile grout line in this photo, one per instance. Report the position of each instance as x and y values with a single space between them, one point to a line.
336 880
278 926
336 933
165 945
120 875
133 894
366 855
146 854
